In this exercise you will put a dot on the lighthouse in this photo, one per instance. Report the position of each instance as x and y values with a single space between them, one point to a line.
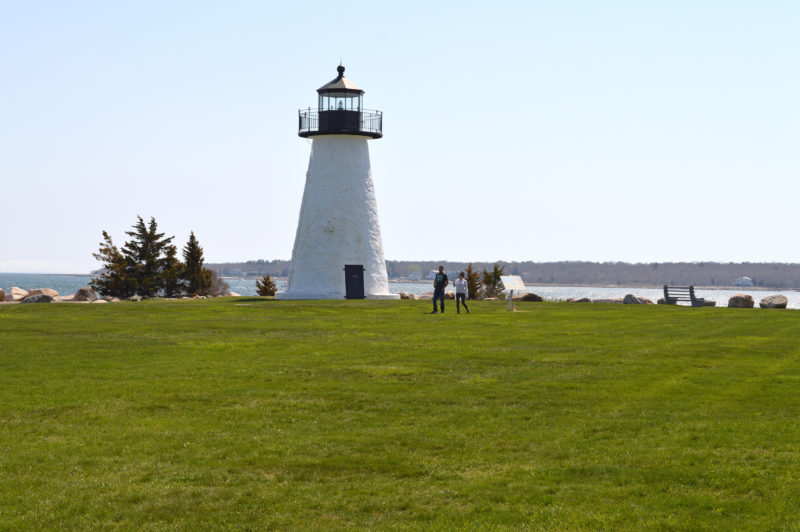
338 252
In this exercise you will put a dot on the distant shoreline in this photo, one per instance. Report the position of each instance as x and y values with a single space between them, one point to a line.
632 285
721 275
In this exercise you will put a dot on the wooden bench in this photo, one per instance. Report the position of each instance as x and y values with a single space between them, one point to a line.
673 294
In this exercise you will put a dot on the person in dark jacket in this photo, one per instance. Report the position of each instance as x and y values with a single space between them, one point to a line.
439 282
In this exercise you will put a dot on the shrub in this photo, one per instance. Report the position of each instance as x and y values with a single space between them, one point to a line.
218 285
266 287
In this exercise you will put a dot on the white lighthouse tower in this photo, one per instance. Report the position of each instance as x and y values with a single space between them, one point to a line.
338 251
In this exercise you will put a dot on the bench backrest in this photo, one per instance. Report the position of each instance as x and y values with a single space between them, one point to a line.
681 293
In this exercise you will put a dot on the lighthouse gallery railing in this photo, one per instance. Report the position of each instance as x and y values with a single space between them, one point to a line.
370 121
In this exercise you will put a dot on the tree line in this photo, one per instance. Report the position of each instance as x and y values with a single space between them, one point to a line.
722 274
148 266
766 275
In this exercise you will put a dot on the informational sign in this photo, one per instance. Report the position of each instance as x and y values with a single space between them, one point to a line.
512 282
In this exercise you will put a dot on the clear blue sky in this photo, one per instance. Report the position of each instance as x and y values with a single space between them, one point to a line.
618 130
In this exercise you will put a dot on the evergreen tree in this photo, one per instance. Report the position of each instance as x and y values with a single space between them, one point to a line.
474 282
113 279
171 272
198 280
492 285
143 253
266 287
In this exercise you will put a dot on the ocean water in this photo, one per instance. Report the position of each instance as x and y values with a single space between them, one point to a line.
63 284
69 284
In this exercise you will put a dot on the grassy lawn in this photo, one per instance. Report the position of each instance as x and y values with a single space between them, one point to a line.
243 413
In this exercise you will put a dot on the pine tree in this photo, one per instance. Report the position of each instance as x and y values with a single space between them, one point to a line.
197 279
266 287
113 279
492 285
143 253
474 283
171 272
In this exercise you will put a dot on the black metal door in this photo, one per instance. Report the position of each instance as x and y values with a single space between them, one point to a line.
354 281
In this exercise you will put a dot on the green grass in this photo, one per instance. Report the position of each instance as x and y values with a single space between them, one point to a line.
250 414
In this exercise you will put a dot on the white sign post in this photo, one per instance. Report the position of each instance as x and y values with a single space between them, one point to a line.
511 283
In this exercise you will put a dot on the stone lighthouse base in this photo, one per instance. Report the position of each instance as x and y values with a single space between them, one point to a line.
320 295
383 296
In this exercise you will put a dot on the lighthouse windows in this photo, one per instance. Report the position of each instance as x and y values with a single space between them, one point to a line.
339 101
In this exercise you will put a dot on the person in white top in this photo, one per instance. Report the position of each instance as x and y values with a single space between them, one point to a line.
461 293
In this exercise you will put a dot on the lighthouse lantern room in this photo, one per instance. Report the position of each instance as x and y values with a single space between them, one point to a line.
340 111
338 252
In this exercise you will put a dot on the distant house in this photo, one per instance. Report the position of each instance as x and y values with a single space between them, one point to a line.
743 281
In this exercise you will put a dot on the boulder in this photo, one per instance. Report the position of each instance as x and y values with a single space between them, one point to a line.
581 300
530 296
2 295
631 299
661 301
491 299
413 297
96 301
16 294
402 295
776 301
449 295
87 293
47 291
39 298
426 295
709 303
741 301
135 298
231 294
64 299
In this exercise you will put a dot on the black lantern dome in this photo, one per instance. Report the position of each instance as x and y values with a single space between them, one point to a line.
340 112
